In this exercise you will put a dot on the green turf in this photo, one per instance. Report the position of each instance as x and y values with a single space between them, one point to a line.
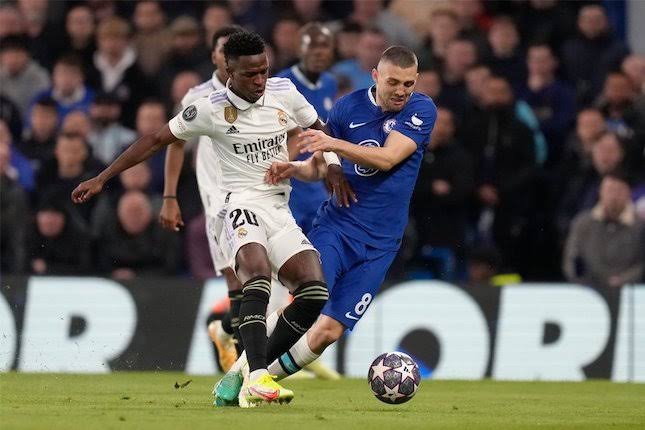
150 401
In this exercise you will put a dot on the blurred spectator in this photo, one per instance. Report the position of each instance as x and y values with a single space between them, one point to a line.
606 245
12 22
77 122
253 15
444 187
151 40
38 30
460 56
429 83
634 67
347 39
310 11
473 21
505 169
58 245
546 22
70 166
371 45
581 188
38 141
79 34
576 157
10 114
133 244
215 17
624 117
506 57
370 13
20 163
22 78
13 215
115 68
102 9
198 254
552 100
108 138
444 28
187 53
286 42
68 90
180 86
590 55
151 117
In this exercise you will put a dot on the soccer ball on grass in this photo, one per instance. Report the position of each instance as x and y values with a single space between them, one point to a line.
394 377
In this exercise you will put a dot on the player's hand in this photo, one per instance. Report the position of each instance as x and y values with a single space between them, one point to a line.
315 140
337 184
279 171
170 215
87 189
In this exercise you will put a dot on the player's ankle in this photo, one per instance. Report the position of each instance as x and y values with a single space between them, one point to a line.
258 373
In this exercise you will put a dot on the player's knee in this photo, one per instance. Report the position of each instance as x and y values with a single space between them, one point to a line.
325 332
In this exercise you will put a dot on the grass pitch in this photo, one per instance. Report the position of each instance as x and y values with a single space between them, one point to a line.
151 401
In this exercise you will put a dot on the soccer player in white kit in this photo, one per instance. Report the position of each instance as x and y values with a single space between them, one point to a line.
248 123
208 175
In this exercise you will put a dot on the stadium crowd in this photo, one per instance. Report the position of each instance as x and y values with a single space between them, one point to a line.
536 165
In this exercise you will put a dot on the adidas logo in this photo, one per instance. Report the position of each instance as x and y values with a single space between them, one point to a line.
305 242
232 130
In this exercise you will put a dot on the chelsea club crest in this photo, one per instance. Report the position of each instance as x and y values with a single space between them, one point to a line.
389 125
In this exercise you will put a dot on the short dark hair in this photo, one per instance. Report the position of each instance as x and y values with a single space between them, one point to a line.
244 43
400 56
14 43
46 102
225 31
71 60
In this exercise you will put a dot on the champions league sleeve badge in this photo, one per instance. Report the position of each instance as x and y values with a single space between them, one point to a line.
189 113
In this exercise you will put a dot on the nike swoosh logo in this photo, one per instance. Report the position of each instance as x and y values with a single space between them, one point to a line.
350 316
360 124
265 394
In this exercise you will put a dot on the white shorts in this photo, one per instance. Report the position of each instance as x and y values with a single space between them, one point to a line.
264 220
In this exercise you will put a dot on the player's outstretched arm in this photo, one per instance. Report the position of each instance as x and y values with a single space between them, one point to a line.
170 214
311 170
140 150
397 148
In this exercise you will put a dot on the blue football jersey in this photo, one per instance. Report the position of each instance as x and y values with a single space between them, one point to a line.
306 197
381 214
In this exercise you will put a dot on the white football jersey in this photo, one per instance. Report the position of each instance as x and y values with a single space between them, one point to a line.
207 168
247 137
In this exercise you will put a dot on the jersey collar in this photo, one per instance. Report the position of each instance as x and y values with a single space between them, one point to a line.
239 102
371 96
303 79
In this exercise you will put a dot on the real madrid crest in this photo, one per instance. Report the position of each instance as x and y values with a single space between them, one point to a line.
282 118
230 114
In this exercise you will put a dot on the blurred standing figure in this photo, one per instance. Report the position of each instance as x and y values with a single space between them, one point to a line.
152 39
606 245
79 34
371 45
319 87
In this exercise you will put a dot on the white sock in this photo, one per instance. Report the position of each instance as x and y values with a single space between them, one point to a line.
272 321
257 373
295 359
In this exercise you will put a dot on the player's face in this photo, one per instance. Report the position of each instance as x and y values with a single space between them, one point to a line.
249 74
394 85
317 51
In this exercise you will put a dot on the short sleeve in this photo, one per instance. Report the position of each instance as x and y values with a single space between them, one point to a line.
417 120
194 120
303 113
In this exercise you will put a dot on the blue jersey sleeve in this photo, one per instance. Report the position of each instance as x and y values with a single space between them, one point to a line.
416 121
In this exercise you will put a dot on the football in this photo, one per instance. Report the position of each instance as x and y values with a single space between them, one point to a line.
394 377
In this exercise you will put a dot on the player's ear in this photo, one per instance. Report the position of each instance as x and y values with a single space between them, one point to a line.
374 75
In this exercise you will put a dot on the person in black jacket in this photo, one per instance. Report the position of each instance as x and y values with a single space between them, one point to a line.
505 170
444 187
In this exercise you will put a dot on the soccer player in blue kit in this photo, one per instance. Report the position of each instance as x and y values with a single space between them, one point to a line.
381 134
319 88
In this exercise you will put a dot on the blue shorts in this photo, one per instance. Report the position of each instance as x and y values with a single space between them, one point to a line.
354 272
